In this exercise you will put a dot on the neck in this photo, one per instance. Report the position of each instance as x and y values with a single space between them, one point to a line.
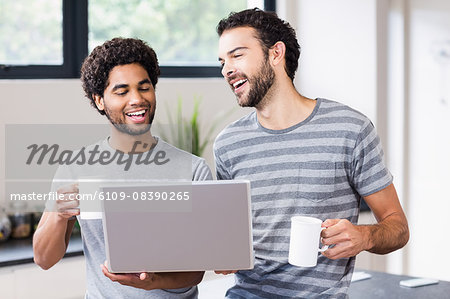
131 143
283 106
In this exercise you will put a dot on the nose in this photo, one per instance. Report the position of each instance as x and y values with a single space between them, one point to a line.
136 98
227 70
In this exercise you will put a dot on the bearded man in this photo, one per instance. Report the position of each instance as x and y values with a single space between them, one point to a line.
310 157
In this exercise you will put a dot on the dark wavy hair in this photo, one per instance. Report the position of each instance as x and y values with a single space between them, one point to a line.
118 51
270 30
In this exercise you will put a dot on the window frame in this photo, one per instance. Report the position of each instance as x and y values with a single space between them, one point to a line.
75 49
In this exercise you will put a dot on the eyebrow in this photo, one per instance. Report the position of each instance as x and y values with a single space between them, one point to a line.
234 50
142 82
119 86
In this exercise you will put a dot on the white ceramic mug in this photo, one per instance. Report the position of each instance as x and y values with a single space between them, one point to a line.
305 239
90 204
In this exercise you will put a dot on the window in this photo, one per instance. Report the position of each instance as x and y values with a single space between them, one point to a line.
51 41
40 23
42 38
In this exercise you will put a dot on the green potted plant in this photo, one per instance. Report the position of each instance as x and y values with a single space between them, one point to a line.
185 132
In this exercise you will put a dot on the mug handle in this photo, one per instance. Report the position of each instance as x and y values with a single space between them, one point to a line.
324 247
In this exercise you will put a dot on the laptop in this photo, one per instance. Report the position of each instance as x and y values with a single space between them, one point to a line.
178 226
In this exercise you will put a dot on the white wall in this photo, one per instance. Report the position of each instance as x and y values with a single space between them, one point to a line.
429 143
338 56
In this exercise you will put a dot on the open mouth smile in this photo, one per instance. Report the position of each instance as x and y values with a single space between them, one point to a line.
137 116
238 85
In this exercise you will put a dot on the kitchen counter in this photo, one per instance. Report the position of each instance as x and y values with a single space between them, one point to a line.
383 285
379 286
20 251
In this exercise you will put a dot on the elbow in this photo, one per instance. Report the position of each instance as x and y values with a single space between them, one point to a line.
404 233
198 278
42 263
402 237
405 236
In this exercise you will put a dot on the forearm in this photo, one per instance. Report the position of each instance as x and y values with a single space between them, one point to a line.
388 235
50 239
176 280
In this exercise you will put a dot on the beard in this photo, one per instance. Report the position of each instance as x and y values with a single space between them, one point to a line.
261 83
130 129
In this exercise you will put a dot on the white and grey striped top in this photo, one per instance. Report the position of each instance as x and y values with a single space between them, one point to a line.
320 167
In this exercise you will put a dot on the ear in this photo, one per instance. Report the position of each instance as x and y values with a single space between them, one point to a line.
99 102
277 53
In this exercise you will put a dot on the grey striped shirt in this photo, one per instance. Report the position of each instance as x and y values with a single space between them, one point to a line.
320 167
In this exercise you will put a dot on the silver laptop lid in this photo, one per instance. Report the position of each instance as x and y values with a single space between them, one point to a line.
178 226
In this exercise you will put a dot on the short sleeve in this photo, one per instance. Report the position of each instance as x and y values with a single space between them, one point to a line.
369 172
201 171
221 170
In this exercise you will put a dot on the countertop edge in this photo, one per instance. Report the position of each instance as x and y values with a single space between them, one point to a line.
24 251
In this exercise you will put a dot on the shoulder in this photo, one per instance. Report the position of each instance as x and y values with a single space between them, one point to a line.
333 108
341 117
236 130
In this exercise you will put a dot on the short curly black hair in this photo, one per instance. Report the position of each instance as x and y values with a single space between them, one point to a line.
118 51
270 30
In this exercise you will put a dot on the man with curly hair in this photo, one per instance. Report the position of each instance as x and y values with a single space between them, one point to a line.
119 78
310 157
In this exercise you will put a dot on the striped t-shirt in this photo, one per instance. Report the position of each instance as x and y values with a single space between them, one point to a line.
320 167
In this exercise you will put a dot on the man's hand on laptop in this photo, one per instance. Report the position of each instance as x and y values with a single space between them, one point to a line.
160 280
225 272
68 206
137 280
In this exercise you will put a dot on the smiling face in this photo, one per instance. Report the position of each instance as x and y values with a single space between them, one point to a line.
129 99
245 65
